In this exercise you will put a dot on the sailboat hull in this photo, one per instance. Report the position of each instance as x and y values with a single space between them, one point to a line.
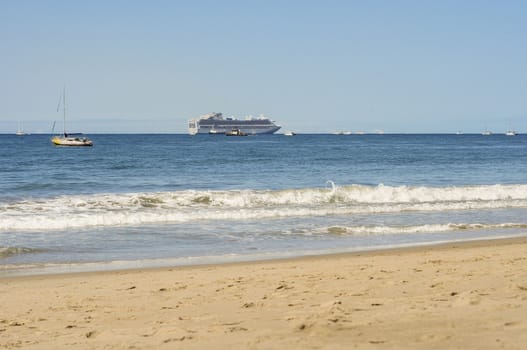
71 141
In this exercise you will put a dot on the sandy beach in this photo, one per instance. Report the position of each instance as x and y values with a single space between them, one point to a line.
456 296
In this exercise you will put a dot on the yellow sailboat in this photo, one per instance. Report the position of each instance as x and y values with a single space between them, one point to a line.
71 139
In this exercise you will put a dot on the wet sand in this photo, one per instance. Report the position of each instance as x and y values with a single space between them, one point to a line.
456 296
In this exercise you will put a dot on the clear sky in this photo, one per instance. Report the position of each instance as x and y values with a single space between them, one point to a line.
313 66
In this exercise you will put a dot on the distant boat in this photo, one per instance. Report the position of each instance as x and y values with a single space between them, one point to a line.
214 131
77 140
235 132
289 133
20 131
511 132
486 133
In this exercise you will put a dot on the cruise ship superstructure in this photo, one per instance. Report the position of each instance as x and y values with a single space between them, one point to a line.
215 123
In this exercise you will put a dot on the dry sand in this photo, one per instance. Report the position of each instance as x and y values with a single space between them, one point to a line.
456 296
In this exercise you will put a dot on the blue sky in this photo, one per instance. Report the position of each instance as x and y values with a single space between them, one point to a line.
313 66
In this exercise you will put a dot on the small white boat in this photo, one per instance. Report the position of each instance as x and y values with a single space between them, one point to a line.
289 133
235 132
215 131
486 133
20 131
75 140
511 133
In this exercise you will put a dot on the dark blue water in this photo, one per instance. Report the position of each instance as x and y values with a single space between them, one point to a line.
147 197
131 163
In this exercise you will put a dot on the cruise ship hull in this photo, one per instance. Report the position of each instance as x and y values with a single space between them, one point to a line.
247 130
215 124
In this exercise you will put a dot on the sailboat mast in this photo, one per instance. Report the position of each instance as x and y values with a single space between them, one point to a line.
64 109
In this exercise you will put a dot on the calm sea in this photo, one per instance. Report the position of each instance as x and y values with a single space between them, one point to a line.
157 200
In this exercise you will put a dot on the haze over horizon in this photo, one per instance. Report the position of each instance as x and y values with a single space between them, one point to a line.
147 67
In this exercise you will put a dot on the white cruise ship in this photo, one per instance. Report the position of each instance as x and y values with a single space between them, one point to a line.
215 123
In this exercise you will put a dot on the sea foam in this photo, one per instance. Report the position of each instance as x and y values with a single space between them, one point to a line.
79 211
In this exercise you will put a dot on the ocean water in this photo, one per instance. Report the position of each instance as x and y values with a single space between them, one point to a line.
158 200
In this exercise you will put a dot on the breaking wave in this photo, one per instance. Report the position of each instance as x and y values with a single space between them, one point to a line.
429 228
10 251
79 211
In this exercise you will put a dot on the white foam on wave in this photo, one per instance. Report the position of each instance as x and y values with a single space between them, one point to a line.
80 211
411 229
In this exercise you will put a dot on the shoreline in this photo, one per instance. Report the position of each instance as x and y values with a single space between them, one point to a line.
148 265
470 295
